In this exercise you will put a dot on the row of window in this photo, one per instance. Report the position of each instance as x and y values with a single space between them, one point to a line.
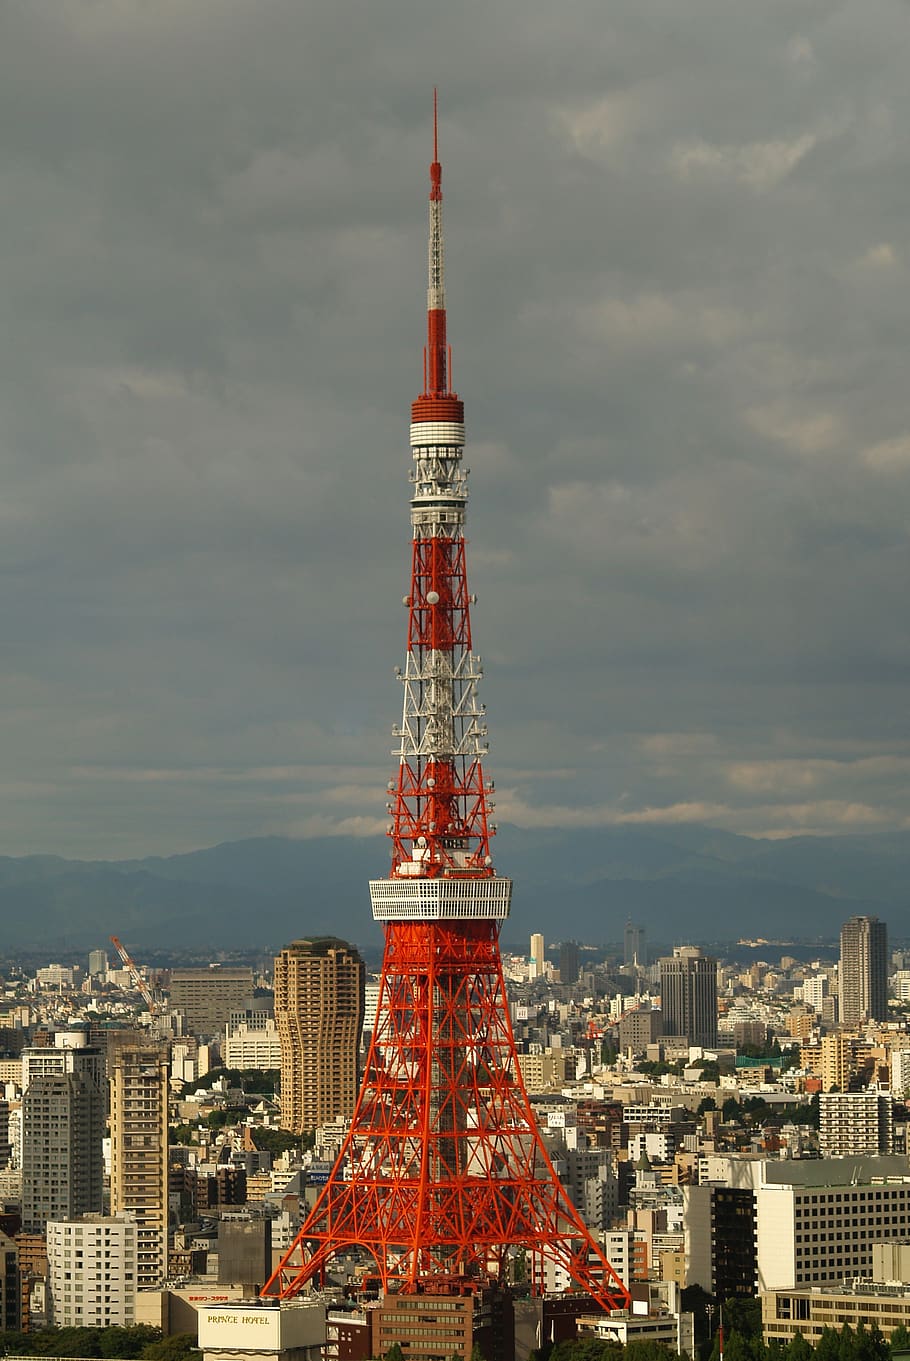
847 1224
437 1334
421 1306
839 1197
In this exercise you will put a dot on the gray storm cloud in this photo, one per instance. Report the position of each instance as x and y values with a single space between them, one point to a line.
677 265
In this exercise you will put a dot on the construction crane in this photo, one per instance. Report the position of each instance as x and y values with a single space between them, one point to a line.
138 981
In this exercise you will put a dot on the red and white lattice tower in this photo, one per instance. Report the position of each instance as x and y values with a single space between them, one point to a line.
443 1174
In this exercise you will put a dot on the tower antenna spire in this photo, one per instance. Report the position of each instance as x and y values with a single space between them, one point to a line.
436 354
435 126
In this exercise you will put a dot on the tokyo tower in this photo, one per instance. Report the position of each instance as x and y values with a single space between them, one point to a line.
443 1176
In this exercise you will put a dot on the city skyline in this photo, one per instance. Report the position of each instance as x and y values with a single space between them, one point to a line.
680 261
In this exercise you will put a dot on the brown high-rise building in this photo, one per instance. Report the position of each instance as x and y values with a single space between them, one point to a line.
138 1072
319 986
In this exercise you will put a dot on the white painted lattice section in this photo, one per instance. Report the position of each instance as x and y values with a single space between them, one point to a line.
442 715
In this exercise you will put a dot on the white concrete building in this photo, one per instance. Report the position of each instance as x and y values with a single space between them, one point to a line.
617 1246
657 1318
92 1271
370 1005
815 989
247 1046
658 1145
817 1219
900 1072
655 1113
56 976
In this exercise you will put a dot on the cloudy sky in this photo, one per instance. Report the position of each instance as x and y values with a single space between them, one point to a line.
677 257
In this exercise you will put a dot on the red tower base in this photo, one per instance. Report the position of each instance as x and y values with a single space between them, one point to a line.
443 1174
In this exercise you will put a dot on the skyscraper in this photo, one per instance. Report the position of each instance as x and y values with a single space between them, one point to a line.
97 963
62 1128
688 996
319 1001
537 963
568 962
863 976
634 950
138 1072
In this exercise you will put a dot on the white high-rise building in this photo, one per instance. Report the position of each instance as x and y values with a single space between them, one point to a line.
815 990
536 963
97 963
900 1072
92 1271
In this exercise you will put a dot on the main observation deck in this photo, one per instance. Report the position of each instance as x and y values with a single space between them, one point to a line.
452 897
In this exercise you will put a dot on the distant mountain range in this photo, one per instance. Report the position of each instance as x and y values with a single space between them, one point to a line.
687 883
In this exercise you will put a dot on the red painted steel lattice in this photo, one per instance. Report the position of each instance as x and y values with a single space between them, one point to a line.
443 1171
443 1174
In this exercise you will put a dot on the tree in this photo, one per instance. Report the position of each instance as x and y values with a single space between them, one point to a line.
579 1349
129 1343
742 1314
869 1344
126 1343
394 1353
275 1140
799 1349
737 1348
900 1340
646 1351
177 1347
827 1348
695 1300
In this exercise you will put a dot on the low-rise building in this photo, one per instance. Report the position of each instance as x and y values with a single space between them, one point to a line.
252 1043
543 1072
811 1311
